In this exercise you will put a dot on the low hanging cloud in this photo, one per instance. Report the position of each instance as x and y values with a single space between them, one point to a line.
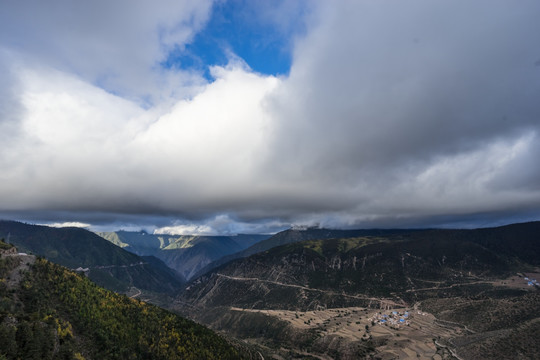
69 224
384 98
221 225
393 114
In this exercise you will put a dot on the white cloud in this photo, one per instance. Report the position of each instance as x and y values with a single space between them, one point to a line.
222 225
68 224
85 148
189 229
115 44
382 94
392 112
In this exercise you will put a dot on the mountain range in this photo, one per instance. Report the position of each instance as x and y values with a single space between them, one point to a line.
319 293
108 265
50 312
456 277
295 235
186 254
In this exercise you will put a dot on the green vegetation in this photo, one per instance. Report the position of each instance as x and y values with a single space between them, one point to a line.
110 266
113 238
186 254
294 235
449 273
5 246
6 263
58 314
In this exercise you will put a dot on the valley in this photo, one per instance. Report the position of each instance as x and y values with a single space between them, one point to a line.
50 312
104 263
357 326
382 303
464 293
185 254
270 180
392 332
326 294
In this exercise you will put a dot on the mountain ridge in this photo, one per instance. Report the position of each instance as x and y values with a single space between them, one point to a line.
186 254
300 234
54 313
487 251
461 283
108 265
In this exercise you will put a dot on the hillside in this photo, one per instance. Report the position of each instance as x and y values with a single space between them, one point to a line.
54 313
109 265
372 267
186 254
466 278
296 235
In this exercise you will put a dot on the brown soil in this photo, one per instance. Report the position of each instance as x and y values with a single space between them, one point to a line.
415 341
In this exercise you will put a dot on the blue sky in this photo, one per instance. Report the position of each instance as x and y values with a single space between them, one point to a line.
219 117
235 27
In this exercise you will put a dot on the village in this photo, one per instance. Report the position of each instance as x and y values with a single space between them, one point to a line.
400 332
531 282
394 319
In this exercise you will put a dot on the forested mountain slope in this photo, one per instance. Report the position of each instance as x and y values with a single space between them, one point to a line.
54 313
468 293
301 234
109 265
391 266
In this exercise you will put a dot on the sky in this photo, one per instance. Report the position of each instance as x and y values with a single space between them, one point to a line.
237 116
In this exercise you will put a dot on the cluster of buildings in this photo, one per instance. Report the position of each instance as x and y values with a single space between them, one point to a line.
531 282
85 271
394 319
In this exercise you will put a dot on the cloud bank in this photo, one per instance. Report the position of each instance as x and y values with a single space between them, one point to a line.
393 114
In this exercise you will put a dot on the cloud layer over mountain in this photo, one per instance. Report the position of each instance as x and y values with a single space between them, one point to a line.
393 113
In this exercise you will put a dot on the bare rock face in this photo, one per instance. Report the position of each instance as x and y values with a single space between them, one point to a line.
8 251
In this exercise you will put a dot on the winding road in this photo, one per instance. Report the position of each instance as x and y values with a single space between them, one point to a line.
359 297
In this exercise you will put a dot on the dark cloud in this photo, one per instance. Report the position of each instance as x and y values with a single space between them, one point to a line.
394 114
363 92
386 98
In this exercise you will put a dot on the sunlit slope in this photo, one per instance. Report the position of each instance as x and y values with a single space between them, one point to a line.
56 313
